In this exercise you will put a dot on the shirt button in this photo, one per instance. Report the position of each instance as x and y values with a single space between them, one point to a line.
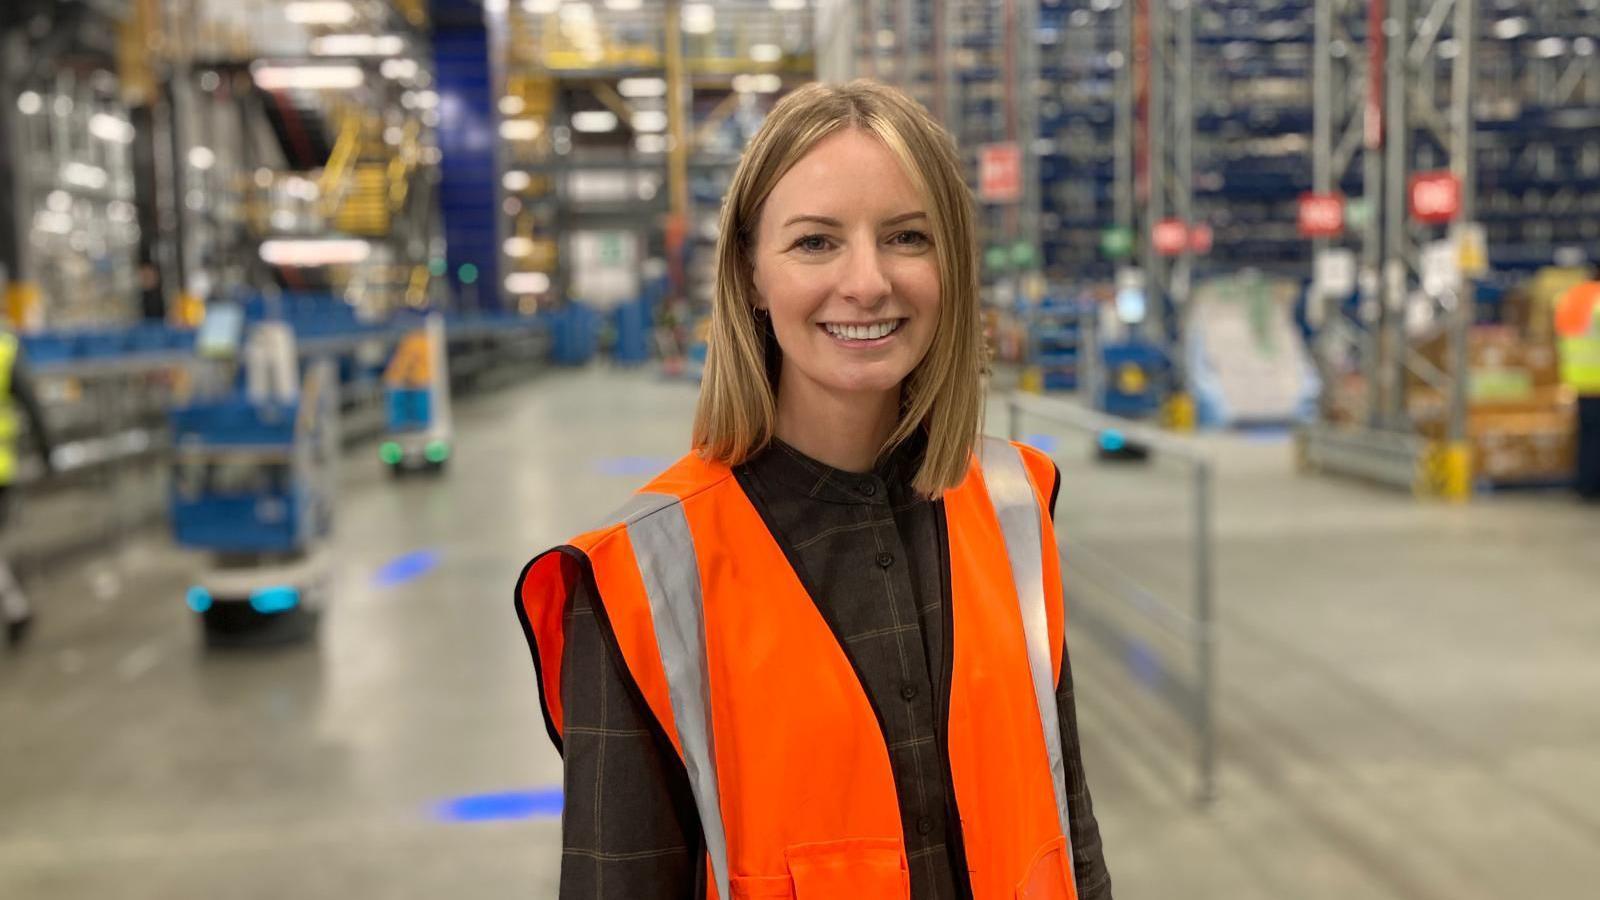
869 488
924 825
908 691
885 560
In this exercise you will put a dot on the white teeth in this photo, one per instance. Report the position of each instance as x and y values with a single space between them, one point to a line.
863 332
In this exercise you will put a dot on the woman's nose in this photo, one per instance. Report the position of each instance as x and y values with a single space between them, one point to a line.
865 281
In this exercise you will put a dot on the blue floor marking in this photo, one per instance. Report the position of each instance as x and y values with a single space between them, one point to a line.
403 569
1045 443
506 806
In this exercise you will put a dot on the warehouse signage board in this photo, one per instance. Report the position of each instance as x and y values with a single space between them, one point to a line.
1171 237
1435 197
1321 215
1000 172
1334 272
1117 243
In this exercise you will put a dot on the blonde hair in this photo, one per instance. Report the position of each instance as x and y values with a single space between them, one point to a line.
943 395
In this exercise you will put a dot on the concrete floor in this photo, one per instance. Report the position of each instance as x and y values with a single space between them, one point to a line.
1408 704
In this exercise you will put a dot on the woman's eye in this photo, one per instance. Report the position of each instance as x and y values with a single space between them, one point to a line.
812 243
910 239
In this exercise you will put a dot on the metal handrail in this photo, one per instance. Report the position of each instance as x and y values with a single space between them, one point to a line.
1200 625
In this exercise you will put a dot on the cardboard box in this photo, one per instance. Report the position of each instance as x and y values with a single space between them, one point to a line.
1511 446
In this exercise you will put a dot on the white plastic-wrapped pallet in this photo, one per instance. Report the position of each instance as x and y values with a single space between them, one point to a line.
1247 361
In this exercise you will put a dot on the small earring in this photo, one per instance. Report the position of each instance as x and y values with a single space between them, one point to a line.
760 312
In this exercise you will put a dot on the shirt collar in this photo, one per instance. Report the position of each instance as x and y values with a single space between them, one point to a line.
793 471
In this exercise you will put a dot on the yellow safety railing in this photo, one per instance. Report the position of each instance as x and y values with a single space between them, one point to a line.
417 289
335 180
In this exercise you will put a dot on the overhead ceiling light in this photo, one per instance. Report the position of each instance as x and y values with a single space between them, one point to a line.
516 180
202 158
635 88
699 18
649 120
520 129
512 105
1584 46
766 53
518 248
577 14
650 143
358 45
398 69
594 121
540 7
308 78
29 103
527 283
84 175
788 5
111 128
59 201
624 5
308 253
757 84
426 100
320 12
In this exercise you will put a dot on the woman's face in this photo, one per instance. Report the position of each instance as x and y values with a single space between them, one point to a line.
845 265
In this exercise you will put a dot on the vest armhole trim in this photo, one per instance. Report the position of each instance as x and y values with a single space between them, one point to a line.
586 571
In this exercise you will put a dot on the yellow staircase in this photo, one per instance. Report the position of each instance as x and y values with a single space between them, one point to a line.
364 209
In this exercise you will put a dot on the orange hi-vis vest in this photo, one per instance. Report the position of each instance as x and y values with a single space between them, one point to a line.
785 757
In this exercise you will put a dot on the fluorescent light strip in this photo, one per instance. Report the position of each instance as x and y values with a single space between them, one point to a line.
320 12
358 45
637 88
527 283
520 129
309 78
312 253
594 121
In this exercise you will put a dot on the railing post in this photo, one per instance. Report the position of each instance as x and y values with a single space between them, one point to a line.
1205 637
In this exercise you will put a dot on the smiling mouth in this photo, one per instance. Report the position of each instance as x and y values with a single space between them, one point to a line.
867 331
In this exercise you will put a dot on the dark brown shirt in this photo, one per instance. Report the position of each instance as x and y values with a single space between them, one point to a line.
872 553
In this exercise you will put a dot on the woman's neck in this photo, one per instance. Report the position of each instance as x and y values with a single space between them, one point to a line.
845 432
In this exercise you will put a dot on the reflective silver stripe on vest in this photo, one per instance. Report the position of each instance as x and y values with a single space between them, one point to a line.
663 547
1006 476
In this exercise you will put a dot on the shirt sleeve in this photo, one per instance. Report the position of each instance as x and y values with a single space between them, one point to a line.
1088 856
629 827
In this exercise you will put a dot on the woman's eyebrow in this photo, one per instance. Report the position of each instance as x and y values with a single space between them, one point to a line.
820 220
835 223
906 217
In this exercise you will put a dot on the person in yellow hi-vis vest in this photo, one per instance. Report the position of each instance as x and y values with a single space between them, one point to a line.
1578 332
15 385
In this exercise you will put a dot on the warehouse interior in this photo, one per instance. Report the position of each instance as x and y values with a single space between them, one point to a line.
329 315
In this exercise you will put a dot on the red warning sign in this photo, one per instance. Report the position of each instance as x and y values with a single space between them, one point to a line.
1435 197
1000 172
1170 237
1321 215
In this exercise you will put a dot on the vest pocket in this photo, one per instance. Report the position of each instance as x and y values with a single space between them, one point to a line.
864 868
751 887
1049 875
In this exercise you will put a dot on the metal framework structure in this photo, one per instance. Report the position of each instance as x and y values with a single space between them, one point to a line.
1164 51
1400 97
1154 134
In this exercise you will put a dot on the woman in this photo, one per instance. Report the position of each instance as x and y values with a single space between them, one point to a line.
822 656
